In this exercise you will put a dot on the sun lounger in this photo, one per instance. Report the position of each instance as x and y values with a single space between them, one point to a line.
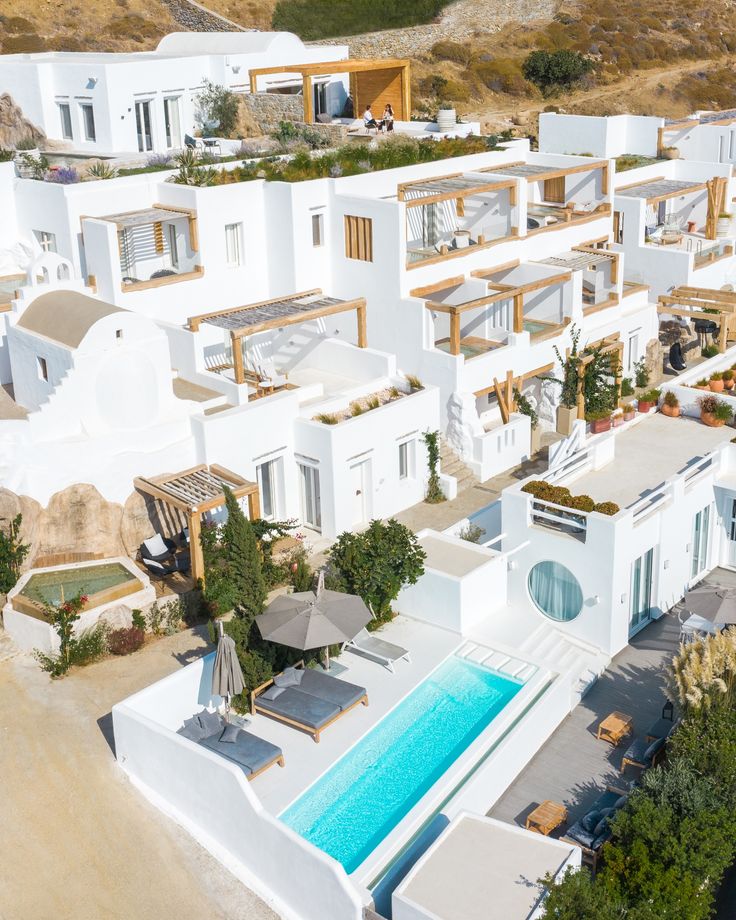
385 652
643 754
252 753
315 702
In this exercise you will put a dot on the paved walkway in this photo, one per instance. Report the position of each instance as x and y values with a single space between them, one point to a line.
574 766
79 841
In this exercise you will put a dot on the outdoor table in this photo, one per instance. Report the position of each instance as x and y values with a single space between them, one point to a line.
546 817
615 727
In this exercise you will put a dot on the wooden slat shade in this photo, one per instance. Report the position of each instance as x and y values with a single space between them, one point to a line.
358 238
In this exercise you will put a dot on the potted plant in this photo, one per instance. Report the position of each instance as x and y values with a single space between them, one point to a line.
723 227
629 412
728 381
567 411
446 117
617 419
671 153
714 412
670 405
600 420
701 384
648 400
715 384
709 351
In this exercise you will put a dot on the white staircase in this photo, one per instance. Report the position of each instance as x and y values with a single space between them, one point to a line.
452 465
496 660
580 662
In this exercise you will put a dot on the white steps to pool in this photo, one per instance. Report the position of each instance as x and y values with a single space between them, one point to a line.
497 661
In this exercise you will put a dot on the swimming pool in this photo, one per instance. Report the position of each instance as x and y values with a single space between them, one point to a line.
359 801
102 582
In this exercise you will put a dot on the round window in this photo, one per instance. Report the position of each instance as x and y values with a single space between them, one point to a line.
556 591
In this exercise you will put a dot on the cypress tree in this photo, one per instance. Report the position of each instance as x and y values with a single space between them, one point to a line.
244 564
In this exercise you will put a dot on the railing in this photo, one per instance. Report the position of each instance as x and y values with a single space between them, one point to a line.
698 467
643 506
708 255
560 518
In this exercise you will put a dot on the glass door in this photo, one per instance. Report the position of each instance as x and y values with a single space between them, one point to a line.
311 499
143 125
700 542
732 535
266 474
172 122
641 591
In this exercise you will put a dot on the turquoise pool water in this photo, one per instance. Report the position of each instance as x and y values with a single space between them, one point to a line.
360 800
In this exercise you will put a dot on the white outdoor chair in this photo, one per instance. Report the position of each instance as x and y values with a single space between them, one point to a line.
696 627
373 647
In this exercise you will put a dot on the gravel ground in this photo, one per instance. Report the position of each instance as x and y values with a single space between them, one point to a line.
79 841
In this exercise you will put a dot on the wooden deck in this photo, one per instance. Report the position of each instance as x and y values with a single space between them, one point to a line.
573 766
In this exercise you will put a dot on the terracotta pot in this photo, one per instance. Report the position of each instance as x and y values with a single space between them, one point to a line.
617 420
671 411
629 415
707 418
599 425
645 406
715 386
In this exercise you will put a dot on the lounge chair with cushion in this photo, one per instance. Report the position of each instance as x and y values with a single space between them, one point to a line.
157 548
643 753
306 699
373 647
171 566
593 829
250 752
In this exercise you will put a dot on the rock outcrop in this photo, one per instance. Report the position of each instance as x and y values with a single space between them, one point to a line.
14 126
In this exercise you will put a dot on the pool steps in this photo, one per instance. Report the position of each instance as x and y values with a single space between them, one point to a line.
497 661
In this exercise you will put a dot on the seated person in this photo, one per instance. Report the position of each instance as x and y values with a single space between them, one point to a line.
368 120
387 121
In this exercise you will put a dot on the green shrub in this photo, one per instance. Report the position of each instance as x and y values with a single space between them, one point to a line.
216 109
609 508
414 382
709 351
641 373
314 19
327 418
434 494
627 388
15 24
550 70
126 641
716 375
12 554
138 620
28 43
471 532
503 75
302 576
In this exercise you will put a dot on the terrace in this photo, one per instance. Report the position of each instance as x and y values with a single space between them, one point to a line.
278 358
477 315
600 275
447 215
558 196
157 246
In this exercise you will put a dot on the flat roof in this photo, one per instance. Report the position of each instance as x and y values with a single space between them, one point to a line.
445 554
144 216
482 869
65 316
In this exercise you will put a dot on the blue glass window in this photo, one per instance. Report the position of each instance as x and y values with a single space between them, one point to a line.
556 591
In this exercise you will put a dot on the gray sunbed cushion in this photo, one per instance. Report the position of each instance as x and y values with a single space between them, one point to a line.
580 835
210 721
331 689
636 751
590 820
300 707
620 802
289 677
600 827
654 748
600 839
372 645
230 733
247 750
192 729
273 693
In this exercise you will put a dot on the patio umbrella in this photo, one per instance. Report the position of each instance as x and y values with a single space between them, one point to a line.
713 603
313 619
227 676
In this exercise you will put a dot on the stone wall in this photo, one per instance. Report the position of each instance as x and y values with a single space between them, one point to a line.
196 18
78 520
268 109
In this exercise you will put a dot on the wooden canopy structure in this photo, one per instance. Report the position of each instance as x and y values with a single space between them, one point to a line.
195 491
541 172
455 186
702 304
156 215
248 320
658 189
372 82
497 292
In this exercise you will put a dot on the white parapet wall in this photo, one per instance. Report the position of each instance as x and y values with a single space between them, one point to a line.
212 799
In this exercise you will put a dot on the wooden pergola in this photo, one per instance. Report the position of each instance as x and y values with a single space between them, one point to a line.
375 81
606 346
498 293
538 172
702 304
659 189
249 320
195 491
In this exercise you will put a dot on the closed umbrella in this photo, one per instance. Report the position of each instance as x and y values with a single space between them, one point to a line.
713 603
313 619
227 675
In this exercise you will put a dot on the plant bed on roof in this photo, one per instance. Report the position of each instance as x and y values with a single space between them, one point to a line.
714 412
560 495
361 406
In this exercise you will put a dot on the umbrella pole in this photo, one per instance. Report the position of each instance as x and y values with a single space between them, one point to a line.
327 658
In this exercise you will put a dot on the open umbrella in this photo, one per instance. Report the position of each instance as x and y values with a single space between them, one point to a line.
227 675
713 603
313 619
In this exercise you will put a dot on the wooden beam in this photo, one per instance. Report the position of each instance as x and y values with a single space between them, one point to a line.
454 333
489 272
155 491
297 319
704 305
507 293
723 333
550 173
196 555
320 68
437 286
518 313
678 193
406 90
502 404
308 99
622 188
237 348
362 326
705 293
458 194
460 253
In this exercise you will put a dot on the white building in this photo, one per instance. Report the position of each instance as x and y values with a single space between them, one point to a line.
112 103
